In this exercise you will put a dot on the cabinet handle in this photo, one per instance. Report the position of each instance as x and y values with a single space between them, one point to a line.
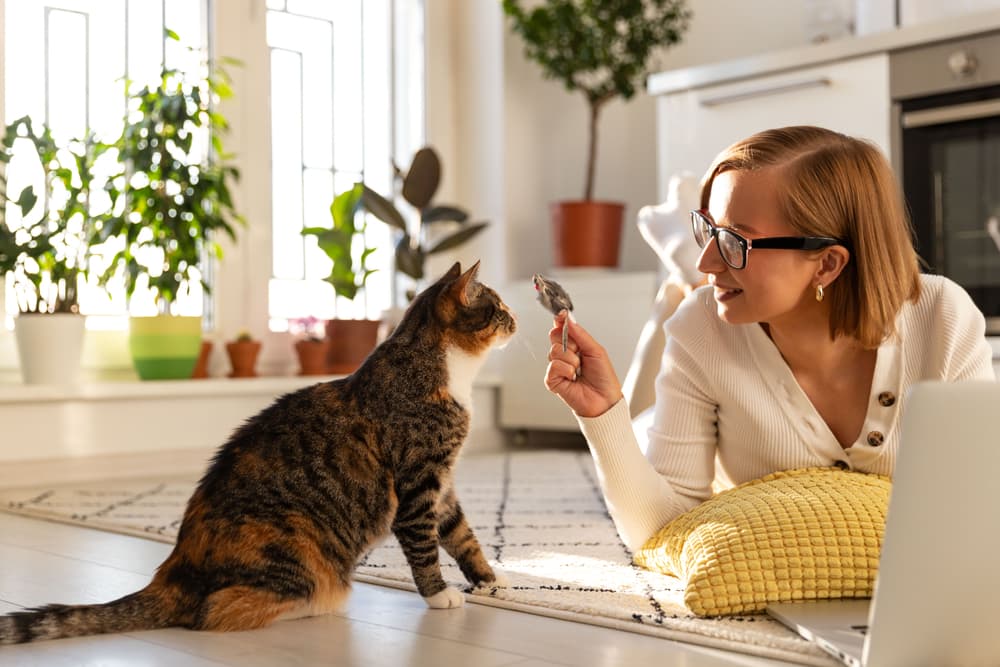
764 91
951 114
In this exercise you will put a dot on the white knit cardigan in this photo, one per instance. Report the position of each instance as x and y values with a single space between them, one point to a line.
729 410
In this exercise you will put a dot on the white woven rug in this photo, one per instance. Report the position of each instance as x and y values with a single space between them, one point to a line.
540 518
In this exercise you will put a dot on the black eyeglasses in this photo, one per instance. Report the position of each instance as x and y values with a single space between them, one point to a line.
734 248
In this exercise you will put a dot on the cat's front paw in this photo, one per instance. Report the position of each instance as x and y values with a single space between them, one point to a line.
448 598
489 587
499 580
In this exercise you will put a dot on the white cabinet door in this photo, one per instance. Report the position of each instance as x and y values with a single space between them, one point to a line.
851 96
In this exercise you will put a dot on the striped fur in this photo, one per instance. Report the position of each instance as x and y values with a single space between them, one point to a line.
303 489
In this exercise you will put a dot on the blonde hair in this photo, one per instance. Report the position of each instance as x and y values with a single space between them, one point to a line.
835 185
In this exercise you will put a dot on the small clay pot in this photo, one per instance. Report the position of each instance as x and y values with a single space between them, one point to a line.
312 356
243 358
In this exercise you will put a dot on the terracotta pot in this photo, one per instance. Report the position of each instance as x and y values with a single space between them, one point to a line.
586 233
201 366
350 341
312 356
243 358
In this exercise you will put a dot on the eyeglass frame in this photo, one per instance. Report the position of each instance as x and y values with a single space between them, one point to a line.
700 218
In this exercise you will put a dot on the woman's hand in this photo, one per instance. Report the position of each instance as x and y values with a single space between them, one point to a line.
582 375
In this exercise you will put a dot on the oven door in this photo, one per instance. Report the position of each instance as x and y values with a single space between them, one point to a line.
951 180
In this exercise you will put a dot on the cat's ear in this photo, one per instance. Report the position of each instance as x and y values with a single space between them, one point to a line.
453 273
461 288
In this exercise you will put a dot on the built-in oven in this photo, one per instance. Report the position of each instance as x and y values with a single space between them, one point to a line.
946 151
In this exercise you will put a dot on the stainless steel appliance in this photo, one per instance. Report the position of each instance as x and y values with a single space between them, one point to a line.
946 150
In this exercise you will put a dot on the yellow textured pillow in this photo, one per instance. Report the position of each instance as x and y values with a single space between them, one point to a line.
802 534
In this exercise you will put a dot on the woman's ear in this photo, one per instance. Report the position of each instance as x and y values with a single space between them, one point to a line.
832 262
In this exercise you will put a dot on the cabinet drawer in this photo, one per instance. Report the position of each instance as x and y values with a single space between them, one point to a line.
851 96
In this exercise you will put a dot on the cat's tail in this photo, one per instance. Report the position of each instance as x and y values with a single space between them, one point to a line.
147 609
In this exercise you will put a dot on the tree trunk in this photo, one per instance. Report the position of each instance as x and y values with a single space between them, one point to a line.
588 191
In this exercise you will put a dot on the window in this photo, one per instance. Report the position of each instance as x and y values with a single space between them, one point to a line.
65 63
333 89
345 100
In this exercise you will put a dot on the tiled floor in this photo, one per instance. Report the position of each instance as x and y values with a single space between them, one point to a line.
42 562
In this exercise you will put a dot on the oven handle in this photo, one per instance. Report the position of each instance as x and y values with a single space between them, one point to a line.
950 114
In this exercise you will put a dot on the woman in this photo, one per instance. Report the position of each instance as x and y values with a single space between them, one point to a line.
815 322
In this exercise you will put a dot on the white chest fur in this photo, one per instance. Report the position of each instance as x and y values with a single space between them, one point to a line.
462 369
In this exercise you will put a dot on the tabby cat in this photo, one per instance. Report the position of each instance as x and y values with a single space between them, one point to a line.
305 488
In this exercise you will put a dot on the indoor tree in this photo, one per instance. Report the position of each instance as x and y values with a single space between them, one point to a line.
603 48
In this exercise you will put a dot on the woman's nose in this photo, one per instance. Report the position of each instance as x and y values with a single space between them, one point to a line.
710 261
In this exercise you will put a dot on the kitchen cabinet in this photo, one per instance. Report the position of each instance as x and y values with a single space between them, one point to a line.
850 96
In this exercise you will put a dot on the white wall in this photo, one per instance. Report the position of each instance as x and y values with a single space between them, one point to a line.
465 122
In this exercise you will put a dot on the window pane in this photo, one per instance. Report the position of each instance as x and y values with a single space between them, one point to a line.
145 41
67 74
323 9
286 160
310 40
348 119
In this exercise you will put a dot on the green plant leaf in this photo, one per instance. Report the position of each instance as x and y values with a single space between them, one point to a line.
26 200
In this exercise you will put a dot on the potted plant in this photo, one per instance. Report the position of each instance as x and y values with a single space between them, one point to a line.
243 353
350 340
172 200
44 246
311 345
440 227
604 50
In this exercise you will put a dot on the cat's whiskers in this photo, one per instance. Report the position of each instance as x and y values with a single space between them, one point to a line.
521 340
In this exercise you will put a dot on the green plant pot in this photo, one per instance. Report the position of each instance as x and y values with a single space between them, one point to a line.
164 347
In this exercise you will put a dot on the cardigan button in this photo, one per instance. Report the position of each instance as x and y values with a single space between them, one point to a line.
886 399
875 438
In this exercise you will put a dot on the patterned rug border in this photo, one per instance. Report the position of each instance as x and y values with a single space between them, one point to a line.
715 638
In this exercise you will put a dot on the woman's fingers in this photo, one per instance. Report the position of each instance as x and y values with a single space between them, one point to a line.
568 362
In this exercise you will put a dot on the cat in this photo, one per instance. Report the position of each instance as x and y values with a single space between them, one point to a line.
301 491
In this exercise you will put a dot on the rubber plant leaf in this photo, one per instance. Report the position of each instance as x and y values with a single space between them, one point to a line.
443 214
382 209
423 178
409 260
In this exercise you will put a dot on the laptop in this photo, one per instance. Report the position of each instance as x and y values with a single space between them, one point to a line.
937 594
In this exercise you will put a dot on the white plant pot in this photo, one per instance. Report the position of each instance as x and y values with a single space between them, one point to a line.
49 347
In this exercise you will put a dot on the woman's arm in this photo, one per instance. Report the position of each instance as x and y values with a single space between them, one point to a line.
640 499
967 354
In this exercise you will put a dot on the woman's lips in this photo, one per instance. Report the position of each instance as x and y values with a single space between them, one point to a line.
726 293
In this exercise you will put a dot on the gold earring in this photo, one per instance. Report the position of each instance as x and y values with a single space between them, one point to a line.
819 292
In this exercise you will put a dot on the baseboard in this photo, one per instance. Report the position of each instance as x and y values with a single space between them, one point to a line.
98 467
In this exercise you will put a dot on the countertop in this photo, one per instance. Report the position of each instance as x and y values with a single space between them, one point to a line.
692 78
